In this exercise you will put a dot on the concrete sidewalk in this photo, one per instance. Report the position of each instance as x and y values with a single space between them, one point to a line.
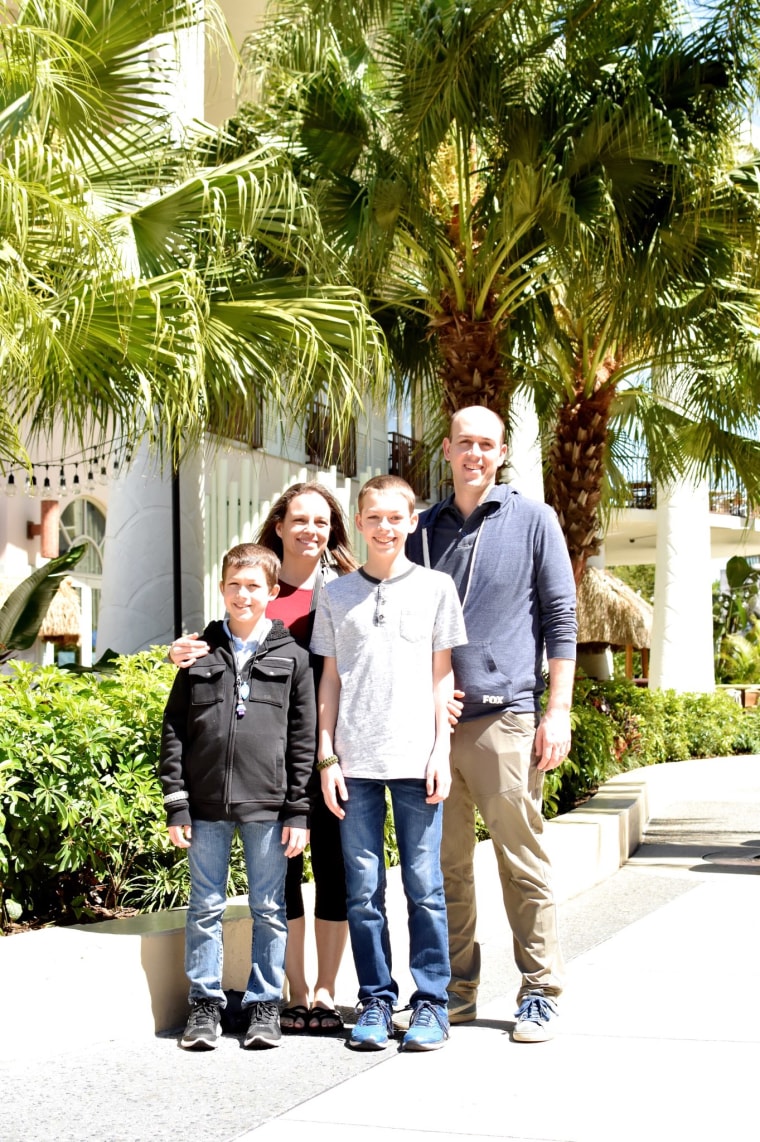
658 1040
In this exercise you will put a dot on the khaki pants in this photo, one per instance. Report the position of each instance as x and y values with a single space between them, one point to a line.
494 767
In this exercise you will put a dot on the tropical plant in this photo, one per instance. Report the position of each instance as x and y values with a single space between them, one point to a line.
142 283
734 608
23 612
547 196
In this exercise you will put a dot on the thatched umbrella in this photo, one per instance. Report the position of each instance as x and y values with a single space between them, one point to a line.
63 621
611 614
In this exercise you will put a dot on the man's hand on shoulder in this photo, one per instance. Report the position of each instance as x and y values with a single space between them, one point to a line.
553 738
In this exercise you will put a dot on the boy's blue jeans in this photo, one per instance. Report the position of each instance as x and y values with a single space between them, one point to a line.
266 864
418 832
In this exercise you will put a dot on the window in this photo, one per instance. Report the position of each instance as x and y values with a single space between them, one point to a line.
407 459
323 447
230 423
80 520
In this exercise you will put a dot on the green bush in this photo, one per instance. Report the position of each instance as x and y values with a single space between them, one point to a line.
618 726
82 826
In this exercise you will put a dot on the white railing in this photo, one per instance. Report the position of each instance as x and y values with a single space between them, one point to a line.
235 510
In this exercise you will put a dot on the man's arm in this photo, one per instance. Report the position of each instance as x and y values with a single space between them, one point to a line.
553 733
438 772
333 785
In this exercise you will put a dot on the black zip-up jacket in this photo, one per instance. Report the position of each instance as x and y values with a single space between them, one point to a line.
218 766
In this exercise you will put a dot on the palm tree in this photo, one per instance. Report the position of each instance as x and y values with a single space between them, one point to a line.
142 283
541 195
671 292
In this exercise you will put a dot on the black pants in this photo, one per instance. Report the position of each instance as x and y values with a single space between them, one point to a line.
327 866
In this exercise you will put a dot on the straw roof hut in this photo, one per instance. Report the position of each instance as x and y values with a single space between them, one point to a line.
610 613
63 621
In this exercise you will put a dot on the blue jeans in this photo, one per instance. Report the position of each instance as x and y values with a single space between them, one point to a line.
266 863
418 832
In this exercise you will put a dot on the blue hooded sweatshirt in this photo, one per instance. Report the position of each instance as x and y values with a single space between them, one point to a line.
518 595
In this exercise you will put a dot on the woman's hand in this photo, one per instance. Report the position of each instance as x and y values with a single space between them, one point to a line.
187 650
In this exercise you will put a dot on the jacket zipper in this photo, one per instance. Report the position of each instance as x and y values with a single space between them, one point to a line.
233 728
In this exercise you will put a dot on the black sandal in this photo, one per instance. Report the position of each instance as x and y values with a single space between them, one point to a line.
294 1019
325 1021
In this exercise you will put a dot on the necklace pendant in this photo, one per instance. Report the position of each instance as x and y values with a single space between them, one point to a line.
240 710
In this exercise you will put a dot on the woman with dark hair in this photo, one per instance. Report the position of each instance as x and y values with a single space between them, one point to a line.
307 530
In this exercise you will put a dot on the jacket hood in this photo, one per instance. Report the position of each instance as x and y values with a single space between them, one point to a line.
216 636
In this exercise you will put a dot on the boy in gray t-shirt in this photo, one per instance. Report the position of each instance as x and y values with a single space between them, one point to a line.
385 633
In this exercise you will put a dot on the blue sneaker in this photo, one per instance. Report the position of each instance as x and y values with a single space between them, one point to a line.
536 1019
372 1027
428 1027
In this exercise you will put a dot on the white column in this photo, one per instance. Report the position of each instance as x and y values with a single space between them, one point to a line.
682 637
524 467
137 608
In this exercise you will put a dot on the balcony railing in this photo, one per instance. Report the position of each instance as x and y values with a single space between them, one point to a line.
407 459
727 496
231 425
323 447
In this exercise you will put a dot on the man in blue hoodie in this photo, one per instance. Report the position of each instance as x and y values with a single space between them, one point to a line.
509 560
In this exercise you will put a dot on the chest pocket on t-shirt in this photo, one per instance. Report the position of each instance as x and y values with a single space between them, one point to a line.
413 626
269 682
206 684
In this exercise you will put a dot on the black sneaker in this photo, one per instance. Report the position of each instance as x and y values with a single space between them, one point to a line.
203 1027
264 1028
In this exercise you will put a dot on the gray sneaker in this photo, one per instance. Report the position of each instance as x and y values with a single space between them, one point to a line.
203 1027
264 1028
536 1019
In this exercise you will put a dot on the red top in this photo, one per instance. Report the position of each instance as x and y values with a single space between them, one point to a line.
292 606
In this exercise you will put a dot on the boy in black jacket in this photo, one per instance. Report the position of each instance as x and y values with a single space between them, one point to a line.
237 752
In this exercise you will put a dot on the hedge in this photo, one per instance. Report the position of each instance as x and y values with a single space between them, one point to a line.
82 830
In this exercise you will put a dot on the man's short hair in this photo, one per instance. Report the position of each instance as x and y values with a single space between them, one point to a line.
472 406
251 555
388 484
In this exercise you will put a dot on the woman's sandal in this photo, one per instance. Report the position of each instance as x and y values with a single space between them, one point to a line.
294 1019
325 1021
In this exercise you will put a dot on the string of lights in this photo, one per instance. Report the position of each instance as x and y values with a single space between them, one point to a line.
50 479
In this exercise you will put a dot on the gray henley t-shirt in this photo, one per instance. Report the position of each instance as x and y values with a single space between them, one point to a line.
382 634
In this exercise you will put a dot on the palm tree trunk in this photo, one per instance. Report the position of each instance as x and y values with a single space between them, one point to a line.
576 472
471 360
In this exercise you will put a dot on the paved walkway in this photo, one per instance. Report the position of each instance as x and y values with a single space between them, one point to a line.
659 1040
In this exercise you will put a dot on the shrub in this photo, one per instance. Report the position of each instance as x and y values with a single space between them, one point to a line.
82 826
81 817
618 726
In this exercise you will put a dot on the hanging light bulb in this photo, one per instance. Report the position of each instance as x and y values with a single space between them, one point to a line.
11 488
90 485
76 486
31 488
103 474
62 481
46 484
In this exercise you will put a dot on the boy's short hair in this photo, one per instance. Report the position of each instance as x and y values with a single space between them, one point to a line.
252 555
388 484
